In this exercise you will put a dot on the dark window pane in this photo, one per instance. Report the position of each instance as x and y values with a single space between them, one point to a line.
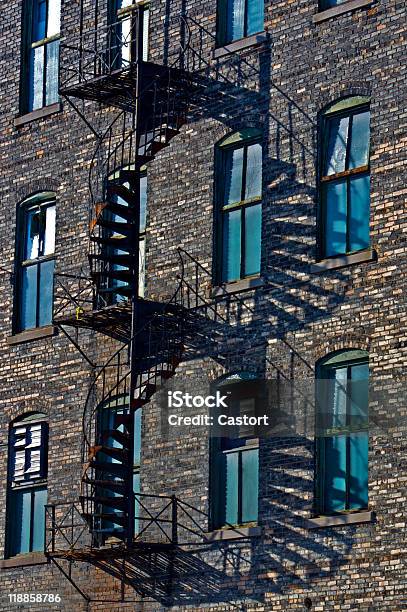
28 297
359 396
51 85
252 239
334 196
233 175
33 230
36 79
38 519
254 171
329 3
359 149
335 473
39 20
358 470
336 145
232 487
46 292
231 245
19 522
235 20
250 485
255 16
359 221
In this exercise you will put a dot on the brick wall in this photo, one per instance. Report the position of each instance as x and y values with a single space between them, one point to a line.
297 317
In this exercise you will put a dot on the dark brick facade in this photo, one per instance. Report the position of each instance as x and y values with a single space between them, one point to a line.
296 317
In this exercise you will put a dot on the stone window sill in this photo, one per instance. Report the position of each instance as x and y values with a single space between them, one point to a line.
233 533
40 113
241 285
343 261
240 45
351 518
335 11
35 558
32 334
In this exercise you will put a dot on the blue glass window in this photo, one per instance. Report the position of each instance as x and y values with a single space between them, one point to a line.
36 232
343 439
235 463
239 18
240 192
42 50
27 491
345 182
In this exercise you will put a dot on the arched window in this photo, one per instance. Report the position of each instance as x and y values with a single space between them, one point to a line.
27 484
342 431
35 261
238 204
238 19
235 459
345 177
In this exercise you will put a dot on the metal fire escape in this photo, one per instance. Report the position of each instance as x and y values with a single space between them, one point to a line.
147 103
108 65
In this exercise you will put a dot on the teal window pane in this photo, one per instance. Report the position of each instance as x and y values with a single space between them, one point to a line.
235 19
360 139
39 20
254 171
334 197
252 239
359 397
232 488
358 470
46 292
255 16
38 519
335 158
143 203
51 81
137 437
335 473
36 78
329 3
338 408
231 245
233 175
19 522
54 17
359 222
250 485
28 311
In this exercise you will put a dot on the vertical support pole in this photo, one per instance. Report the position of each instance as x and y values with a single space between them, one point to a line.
53 528
134 269
174 520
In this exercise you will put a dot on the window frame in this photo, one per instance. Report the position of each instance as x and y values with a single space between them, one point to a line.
27 45
365 170
323 366
219 447
31 486
42 200
222 24
221 209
